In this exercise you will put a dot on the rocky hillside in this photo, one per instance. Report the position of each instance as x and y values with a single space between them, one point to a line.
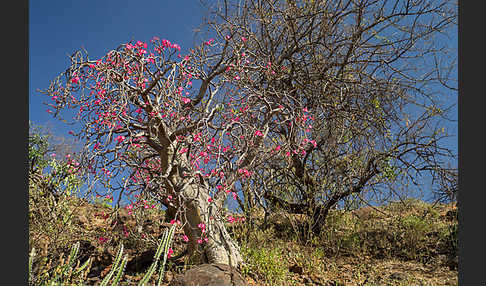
403 243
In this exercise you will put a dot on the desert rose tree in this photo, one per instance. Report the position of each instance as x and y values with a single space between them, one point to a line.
183 129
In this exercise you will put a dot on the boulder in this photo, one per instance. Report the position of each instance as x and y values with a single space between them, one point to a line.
210 275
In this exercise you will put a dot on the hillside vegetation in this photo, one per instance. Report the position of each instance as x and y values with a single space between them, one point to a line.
402 243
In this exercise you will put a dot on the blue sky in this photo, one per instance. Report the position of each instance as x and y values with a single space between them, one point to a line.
57 28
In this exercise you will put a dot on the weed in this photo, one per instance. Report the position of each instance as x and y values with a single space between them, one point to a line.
266 263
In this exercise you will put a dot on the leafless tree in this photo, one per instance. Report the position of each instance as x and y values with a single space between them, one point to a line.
376 77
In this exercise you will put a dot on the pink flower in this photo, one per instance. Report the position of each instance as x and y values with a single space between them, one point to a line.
170 252
199 241
231 219
305 109
210 200
186 100
75 80
185 238
178 222
166 43
183 150
209 42
244 39
258 133
278 148
120 139
245 172
102 239
202 226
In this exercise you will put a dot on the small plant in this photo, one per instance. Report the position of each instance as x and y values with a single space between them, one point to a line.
116 267
267 263
64 273
164 247
104 201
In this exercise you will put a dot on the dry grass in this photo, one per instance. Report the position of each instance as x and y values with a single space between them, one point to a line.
402 244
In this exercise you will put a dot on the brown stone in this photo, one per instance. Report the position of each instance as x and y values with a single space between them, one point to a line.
210 275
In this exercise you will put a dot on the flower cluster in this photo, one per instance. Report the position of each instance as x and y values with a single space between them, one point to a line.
232 219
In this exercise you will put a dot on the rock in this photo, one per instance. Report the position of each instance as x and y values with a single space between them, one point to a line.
210 275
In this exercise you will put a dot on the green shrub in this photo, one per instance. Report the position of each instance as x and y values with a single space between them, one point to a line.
266 263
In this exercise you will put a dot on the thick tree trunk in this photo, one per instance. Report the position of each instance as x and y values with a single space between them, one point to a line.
191 202
220 247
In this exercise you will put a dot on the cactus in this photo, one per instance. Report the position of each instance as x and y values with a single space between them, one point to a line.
62 274
65 271
121 269
163 247
31 261
115 267
166 241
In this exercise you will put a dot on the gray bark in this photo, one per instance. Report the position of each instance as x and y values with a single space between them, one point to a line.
220 247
